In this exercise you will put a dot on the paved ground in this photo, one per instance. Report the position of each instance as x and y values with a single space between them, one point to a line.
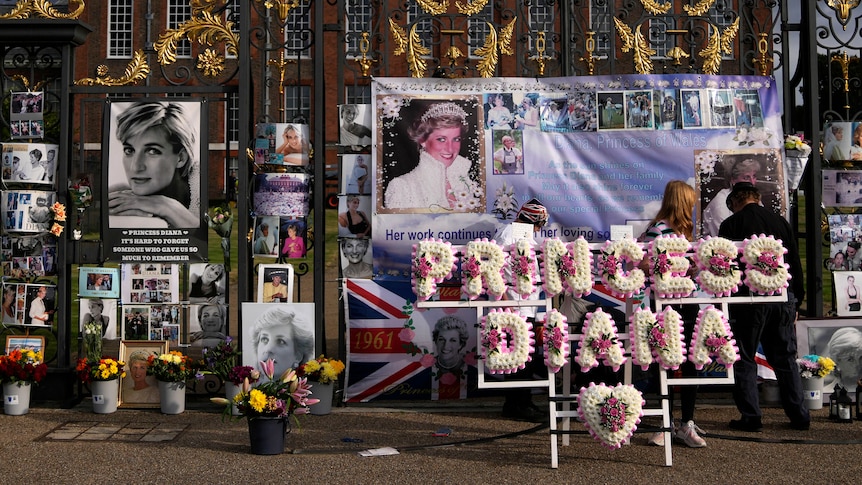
143 446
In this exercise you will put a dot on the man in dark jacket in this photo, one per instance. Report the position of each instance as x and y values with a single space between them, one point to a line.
771 324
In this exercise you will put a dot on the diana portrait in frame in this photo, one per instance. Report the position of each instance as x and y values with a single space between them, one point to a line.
137 389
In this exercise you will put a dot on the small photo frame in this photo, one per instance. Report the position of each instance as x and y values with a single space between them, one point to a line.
150 283
283 143
207 282
136 322
355 127
137 389
356 261
207 324
29 342
99 282
275 283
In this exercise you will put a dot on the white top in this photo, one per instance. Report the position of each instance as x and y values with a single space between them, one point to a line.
715 213
424 187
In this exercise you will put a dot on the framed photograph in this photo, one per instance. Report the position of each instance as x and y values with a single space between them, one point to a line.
27 211
278 331
838 339
31 163
21 342
275 283
692 109
40 303
171 333
99 282
281 194
282 143
137 389
103 310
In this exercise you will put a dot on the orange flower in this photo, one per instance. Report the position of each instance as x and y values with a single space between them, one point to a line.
56 229
59 211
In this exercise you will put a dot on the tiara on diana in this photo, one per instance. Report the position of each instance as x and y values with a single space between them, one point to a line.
444 109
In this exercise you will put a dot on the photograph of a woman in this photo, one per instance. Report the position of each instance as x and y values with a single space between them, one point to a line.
848 294
154 176
282 332
208 325
352 219
435 164
207 283
294 241
293 146
103 311
138 389
355 125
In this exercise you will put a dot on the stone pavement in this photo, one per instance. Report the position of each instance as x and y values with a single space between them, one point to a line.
144 446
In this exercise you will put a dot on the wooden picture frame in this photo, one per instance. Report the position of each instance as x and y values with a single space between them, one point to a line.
33 342
131 352
265 274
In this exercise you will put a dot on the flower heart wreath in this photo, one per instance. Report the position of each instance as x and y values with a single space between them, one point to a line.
610 414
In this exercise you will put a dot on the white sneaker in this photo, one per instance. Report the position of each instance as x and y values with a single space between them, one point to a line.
688 435
657 439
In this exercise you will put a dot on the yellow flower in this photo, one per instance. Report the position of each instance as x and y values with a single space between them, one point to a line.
56 229
257 400
312 366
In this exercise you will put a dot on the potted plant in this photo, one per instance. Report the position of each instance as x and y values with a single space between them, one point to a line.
103 377
812 369
18 370
268 404
172 370
324 371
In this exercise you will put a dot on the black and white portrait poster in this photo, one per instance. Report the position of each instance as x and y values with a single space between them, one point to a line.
155 199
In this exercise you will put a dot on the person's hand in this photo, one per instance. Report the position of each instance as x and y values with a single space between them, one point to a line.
278 295
126 203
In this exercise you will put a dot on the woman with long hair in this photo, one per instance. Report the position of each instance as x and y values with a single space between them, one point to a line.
675 217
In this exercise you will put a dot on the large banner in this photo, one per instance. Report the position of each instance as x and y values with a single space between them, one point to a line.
454 159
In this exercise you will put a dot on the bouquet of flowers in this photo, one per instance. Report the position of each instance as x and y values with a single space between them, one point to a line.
221 360
811 366
274 397
22 365
172 367
104 369
795 142
321 369
220 220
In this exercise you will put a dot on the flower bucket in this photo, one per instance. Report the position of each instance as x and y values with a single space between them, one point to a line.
16 398
105 396
812 392
266 435
324 393
231 390
172 397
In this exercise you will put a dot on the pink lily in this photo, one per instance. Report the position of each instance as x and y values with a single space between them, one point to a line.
268 368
